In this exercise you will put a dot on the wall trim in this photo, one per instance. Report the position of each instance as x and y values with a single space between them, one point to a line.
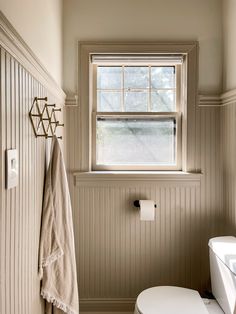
209 100
72 101
228 98
12 42
114 178
111 305
204 100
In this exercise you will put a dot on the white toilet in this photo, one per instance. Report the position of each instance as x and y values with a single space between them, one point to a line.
176 300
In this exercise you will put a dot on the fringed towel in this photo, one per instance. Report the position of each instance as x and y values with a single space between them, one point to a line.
57 264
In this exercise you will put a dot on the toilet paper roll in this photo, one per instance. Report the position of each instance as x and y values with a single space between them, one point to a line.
147 210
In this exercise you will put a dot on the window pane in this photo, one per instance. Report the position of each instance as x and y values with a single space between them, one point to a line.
109 77
163 77
163 100
130 141
136 77
108 101
136 101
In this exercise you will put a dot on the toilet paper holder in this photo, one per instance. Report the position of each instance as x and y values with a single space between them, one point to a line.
137 204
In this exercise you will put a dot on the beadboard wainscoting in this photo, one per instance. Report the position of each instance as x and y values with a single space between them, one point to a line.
117 255
20 213
228 148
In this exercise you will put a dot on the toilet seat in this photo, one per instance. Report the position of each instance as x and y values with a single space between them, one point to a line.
170 300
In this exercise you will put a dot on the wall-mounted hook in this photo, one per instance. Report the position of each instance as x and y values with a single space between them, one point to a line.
42 118
62 124
39 98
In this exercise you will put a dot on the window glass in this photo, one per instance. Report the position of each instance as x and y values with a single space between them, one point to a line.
163 100
108 101
136 89
136 101
136 141
136 77
136 117
163 77
109 77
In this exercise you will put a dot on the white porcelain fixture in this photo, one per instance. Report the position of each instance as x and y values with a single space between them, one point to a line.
177 300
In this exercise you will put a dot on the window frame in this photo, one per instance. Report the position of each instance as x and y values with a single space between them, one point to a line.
177 115
190 80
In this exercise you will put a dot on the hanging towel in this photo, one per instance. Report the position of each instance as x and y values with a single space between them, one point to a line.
57 266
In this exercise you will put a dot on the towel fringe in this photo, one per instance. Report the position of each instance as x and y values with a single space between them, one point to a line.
49 260
52 258
58 303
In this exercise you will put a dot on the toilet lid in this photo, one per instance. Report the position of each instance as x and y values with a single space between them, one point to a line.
170 300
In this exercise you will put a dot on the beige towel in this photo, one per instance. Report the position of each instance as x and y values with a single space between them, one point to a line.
57 264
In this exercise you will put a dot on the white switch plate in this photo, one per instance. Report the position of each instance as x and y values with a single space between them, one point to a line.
12 169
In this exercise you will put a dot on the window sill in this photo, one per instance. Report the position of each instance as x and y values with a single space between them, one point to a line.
137 177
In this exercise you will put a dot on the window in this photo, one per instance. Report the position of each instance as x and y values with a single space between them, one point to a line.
178 124
137 109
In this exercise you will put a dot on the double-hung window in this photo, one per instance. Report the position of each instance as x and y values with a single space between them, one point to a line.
137 109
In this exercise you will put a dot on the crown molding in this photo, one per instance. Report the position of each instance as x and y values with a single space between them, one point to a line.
12 42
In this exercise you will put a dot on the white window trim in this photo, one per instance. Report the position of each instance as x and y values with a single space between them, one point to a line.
137 178
189 49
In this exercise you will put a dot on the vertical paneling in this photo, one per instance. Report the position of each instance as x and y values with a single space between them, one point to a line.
117 255
20 213
228 148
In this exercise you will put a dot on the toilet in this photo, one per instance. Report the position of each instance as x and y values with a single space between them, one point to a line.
177 300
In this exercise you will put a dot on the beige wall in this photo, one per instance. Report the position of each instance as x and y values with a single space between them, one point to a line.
117 255
228 147
40 25
228 116
139 20
21 79
20 214
229 36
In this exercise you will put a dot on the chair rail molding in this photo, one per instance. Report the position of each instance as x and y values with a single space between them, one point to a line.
217 100
12 42
72 101
228 97
209 100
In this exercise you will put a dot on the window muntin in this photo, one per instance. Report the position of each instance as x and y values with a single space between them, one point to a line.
136 117
136 89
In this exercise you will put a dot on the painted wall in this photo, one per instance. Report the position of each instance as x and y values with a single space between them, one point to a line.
156 20
228 116
229 41
40 25
228 147
21 79
20 216
117 255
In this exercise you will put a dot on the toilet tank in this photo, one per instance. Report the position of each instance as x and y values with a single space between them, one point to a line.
223 272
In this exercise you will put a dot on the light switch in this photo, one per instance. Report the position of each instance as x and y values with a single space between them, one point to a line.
12 170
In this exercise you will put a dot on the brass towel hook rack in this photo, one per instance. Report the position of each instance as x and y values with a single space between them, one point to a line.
43 118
